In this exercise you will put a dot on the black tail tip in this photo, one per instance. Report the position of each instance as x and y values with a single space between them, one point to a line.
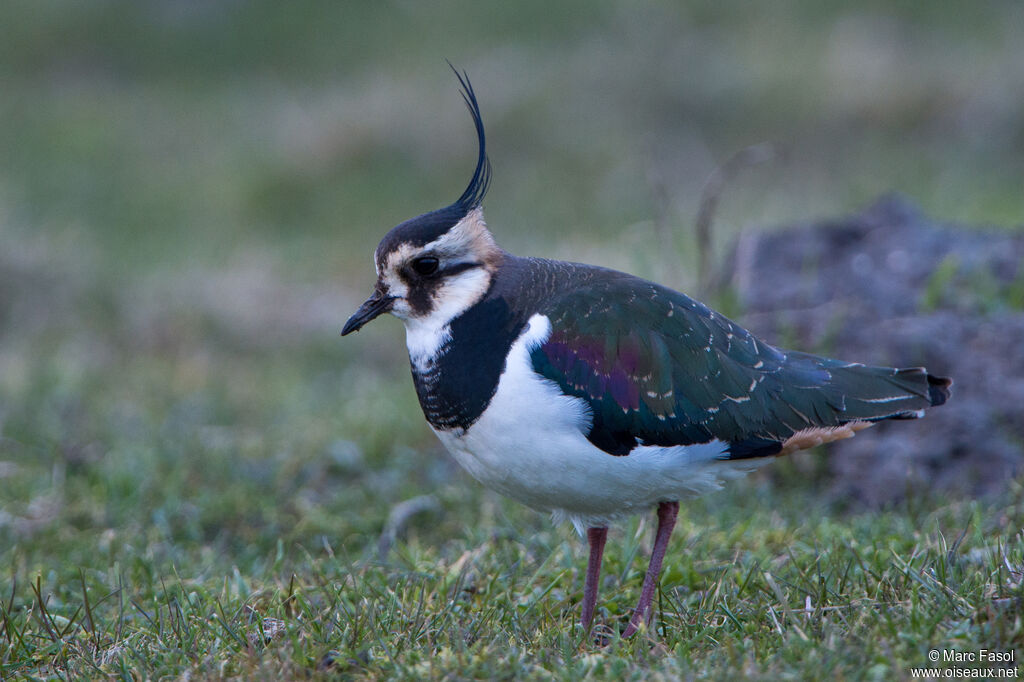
938 389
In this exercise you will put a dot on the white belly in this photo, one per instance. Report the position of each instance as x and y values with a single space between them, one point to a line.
530 445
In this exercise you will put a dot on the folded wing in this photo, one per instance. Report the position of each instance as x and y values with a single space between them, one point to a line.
658 368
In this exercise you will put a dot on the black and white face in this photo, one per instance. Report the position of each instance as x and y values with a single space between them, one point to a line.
434 267
431 282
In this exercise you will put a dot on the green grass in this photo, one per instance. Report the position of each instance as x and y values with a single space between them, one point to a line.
172 483
239 579
196 472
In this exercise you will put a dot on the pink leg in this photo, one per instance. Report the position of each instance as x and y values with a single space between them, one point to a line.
667 512
596 538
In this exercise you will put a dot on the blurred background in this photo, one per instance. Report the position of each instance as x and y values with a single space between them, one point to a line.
190 193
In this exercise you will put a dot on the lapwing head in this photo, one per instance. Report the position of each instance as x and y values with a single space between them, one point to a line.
435 266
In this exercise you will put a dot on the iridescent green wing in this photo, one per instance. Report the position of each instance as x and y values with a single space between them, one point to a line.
658 368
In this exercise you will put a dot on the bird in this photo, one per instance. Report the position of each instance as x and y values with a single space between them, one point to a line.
592 394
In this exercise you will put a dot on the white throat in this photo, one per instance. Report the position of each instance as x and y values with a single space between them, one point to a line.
426 335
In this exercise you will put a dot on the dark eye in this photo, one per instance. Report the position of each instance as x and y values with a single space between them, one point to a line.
425 266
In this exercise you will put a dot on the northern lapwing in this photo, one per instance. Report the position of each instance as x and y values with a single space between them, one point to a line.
592 394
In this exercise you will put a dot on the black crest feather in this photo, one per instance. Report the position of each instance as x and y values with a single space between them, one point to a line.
429 226
477 188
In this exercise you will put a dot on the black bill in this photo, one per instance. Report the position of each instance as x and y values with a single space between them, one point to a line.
373 307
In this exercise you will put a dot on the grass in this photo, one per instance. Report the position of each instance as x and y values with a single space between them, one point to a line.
196 473
762 584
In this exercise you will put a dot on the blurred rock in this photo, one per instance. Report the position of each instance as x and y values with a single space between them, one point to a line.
890 286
